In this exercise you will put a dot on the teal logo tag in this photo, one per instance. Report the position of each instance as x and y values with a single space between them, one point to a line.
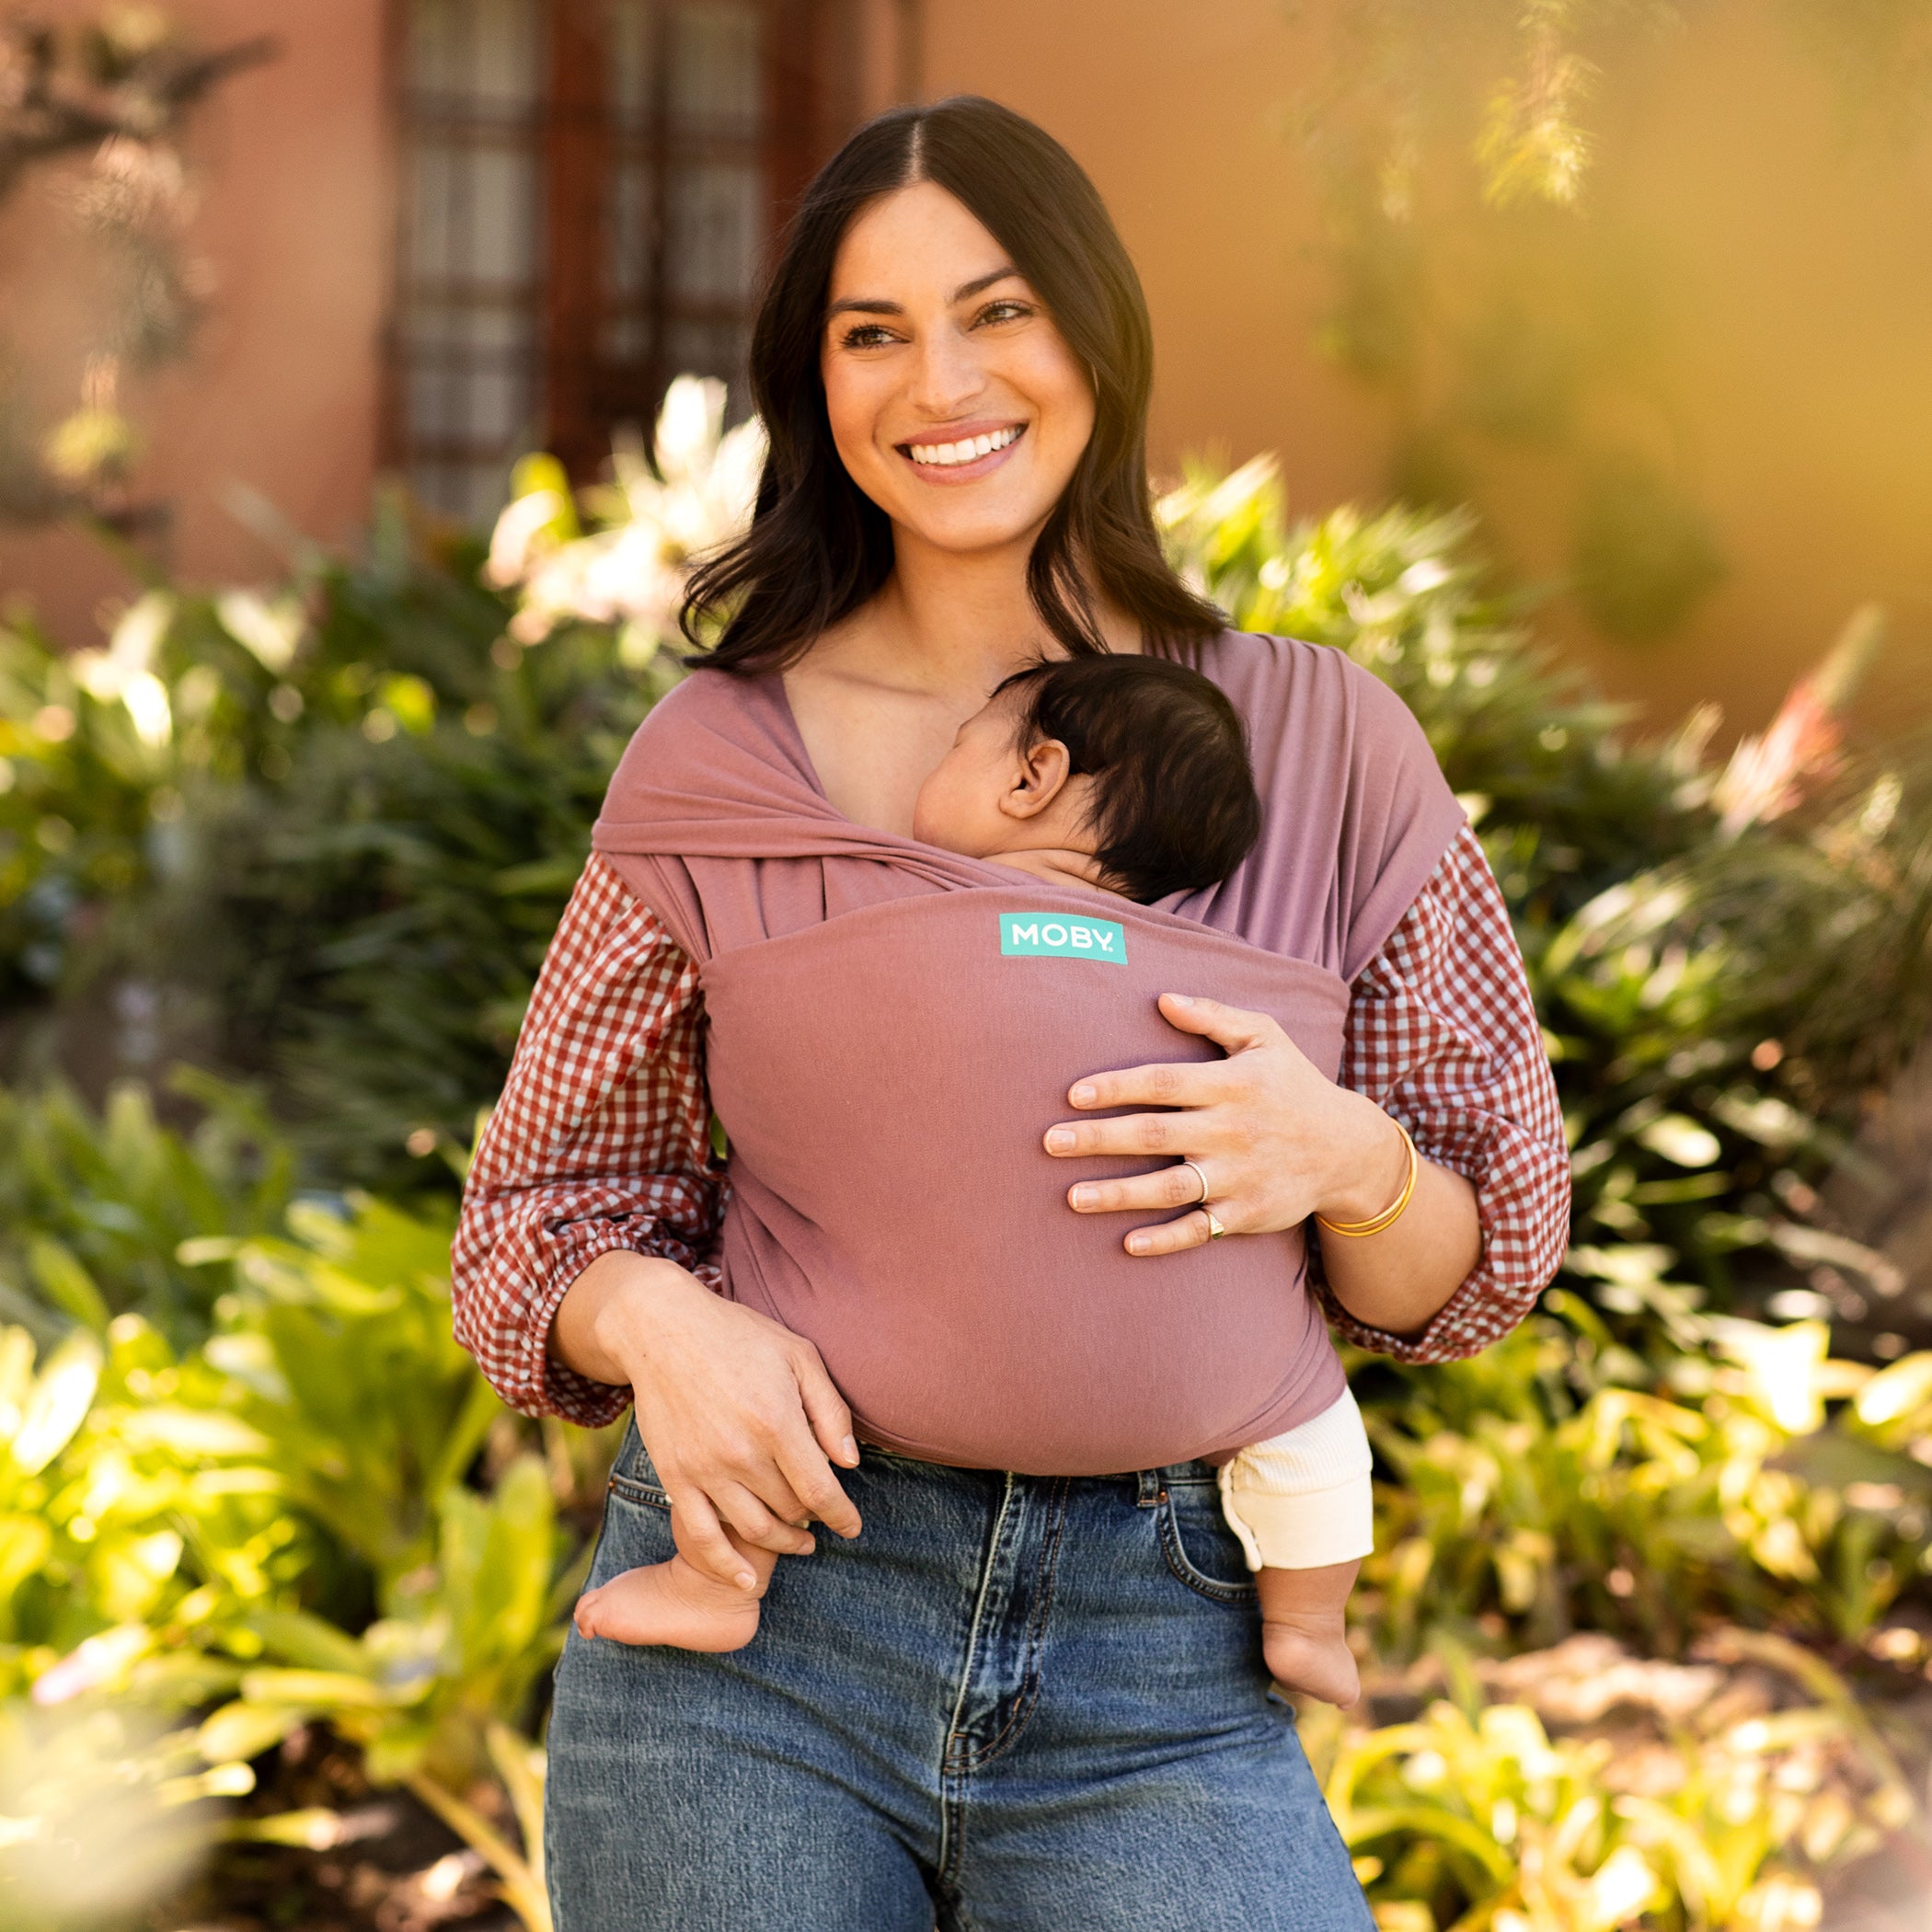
1053 936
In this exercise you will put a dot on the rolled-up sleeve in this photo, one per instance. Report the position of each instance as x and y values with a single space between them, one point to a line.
1443 1034
601 1141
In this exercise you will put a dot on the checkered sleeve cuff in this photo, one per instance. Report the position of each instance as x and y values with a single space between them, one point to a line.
1443 1034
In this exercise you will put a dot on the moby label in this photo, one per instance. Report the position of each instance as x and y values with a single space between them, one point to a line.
1053 936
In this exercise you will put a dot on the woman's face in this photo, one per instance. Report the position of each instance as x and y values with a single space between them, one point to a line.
955 403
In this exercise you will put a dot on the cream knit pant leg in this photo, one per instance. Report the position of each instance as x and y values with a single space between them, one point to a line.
1303 1499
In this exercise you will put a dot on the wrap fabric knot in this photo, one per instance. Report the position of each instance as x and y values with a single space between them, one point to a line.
885 1068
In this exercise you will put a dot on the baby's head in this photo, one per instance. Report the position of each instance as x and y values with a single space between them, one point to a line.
1136 762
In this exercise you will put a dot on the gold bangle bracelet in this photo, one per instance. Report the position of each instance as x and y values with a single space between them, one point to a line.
1355 1230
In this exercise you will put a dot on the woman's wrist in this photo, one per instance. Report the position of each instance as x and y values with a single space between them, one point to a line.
603 1324
1372 1170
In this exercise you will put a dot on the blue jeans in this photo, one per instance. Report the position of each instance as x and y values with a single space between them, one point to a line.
1013 1704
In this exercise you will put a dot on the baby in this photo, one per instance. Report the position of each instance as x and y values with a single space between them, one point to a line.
1125 775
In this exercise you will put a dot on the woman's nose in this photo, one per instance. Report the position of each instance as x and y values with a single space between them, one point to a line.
946 376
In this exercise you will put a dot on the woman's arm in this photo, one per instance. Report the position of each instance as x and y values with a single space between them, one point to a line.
1444 1031
582 1271
600 1143
1444 1035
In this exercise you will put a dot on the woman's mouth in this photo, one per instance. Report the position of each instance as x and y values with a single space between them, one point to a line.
965 455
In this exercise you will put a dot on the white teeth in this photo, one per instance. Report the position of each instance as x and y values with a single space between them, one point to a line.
946 455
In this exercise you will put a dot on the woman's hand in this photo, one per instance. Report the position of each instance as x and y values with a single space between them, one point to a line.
1276 1141
738 1414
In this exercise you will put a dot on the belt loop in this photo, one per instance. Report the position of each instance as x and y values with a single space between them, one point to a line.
1150 1491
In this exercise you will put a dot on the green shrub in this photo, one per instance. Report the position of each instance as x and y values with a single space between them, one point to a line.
94 1210
1713 1037
337 855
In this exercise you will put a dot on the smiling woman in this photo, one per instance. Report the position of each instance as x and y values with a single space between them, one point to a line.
1033 1693
988 300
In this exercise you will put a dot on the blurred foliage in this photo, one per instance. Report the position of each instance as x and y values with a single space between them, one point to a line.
1511 307
1475 1815
93 1214
648 526
296 1520
325 833
1559 1482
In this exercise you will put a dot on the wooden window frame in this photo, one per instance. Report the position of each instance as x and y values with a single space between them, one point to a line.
582 393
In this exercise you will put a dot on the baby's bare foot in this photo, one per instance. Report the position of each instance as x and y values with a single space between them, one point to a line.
673 1604
1311 1654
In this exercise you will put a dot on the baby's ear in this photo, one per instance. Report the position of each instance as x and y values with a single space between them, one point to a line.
1042 772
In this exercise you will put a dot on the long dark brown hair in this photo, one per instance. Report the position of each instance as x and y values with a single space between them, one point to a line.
818 546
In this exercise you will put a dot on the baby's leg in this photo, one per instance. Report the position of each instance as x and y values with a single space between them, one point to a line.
1304 1508
1305 1630
677 1602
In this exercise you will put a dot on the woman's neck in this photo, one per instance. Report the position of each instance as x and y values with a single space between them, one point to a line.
951 624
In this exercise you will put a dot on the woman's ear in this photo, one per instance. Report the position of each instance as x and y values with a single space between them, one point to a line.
1039 776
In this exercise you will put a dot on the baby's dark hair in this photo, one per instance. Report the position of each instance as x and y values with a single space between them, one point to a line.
1174 799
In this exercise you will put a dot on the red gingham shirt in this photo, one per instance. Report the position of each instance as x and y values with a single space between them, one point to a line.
603 1140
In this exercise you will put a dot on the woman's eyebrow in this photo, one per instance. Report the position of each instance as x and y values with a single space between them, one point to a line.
967 290
884 306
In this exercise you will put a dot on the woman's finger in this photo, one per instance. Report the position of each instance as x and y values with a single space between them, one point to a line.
1170 1133
1175 1186
826 1408
1169 1237
1235 1029
1186 1083
803 1464
703 1541
760 1524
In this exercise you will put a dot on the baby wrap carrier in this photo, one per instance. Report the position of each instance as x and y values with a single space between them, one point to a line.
890 1029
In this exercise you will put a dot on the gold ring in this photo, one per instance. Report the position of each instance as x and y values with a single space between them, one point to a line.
1202 1200
1216 1230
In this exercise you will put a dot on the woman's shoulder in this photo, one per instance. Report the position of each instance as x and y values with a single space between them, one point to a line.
1290 690
714 736
705 696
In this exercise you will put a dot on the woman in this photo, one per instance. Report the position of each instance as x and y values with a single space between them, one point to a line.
1014 1700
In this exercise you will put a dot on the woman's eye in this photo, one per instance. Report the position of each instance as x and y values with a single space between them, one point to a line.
1005 311
867 335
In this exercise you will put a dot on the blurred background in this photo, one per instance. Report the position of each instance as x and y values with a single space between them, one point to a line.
370 375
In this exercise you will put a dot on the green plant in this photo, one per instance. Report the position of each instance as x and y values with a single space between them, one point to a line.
1474 1815
322 833
291 1522
94 1210
1560 1483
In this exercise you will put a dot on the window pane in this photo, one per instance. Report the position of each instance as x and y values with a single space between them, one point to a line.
666 250
630 217
633 30
716 214
714 67
478 57
467 285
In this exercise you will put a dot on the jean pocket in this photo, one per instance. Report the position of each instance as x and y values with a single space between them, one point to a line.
1200 1547
633 1475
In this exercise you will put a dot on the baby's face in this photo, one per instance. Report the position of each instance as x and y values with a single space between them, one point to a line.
957 806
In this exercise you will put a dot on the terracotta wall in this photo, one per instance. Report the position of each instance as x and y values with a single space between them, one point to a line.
280 394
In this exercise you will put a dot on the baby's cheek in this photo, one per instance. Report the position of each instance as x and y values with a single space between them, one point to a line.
941 813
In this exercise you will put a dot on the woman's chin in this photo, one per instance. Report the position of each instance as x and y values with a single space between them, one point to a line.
970 530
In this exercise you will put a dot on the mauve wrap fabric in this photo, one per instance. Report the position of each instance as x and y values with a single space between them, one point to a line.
885 1073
